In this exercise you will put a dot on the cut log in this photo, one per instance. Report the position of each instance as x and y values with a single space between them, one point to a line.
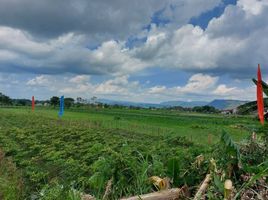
160 183
203 187
171 194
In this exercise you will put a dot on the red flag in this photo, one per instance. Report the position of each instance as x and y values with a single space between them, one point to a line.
32 103
260 97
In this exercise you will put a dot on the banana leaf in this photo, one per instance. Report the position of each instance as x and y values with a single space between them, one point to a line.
264 86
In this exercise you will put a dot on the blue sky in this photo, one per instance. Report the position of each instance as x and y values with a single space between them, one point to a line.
144 51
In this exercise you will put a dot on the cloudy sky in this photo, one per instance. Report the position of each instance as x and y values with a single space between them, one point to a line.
142 50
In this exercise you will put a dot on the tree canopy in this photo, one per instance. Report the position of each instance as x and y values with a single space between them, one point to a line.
5 100
54 101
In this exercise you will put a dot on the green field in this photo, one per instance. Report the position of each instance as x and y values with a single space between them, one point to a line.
88 147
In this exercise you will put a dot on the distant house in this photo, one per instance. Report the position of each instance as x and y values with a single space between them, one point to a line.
235 110
226 112
229 111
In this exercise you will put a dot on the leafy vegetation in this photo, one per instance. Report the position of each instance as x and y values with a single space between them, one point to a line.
250 107
205 109
10 179
60 158
245 163
54 101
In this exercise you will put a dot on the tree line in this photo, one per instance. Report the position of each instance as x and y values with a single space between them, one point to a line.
70 102
54 101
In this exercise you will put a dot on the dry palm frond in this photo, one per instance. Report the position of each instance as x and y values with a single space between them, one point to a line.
108 189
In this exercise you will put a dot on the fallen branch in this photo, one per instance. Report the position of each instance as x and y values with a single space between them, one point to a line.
171 194
203 187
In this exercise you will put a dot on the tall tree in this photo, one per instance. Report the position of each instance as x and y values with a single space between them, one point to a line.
68 102
54 101
5 100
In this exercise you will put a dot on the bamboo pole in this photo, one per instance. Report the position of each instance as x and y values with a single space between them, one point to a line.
203 187
171 194
228 186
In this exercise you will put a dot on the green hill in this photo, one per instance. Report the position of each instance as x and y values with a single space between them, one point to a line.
250 107
224 104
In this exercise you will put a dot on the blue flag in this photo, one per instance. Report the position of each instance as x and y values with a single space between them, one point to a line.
61 106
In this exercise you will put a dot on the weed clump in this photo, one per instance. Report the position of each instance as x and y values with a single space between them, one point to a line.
245 163
179 141
11 184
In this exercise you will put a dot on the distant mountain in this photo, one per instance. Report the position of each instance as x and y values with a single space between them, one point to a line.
224 104
185 104
129 103
221 104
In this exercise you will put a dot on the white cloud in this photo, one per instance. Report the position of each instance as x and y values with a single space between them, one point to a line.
48 19
112 57
223 90
199 83
118 86
198 87
157 89
64 54
230 43
252 6
233 44
228 92
182 11
39 81
84 89
80 79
